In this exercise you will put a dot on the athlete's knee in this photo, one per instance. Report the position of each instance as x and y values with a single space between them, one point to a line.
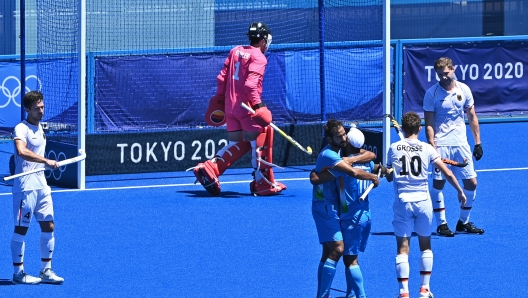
20 230
47 226
470 184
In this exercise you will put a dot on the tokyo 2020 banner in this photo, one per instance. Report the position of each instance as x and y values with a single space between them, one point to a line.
497 75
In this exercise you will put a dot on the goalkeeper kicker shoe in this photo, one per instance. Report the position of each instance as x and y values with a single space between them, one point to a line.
443 230
468 228
24 278
49 277
207 174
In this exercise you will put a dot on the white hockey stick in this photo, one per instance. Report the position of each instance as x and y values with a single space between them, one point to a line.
82 156
371 186
445 160
307 150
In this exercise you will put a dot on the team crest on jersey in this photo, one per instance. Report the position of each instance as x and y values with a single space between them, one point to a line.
459 97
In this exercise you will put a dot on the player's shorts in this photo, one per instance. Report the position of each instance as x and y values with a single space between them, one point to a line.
456 153
417 216
326 221
32 202
241 122
355 236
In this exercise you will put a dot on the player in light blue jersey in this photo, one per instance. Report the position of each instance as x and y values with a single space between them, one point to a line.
325 201
355 218
444 106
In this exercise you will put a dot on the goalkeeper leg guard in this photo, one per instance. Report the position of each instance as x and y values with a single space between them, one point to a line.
207 173
264 183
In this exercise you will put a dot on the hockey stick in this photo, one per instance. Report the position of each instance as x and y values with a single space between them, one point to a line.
445 160
81 156
371 186
308 149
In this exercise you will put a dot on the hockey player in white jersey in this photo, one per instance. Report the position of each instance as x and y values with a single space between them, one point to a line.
410 159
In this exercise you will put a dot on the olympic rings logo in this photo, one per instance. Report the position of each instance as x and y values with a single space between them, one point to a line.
11 89
56 173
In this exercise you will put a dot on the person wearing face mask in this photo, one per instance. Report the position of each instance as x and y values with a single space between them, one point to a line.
240 81
445 105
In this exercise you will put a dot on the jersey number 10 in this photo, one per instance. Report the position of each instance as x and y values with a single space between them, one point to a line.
415 165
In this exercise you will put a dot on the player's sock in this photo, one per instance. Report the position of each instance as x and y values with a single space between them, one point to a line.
466 210
327 276
47 245
354 279
437 196
319 271
402 272
426 267
17 252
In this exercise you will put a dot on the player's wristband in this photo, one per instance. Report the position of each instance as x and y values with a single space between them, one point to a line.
258 105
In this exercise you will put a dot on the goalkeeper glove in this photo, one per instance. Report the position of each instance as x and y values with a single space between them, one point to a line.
477 151
262 116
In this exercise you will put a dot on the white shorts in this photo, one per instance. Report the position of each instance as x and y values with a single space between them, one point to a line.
36 202
417 216
326 221
456 153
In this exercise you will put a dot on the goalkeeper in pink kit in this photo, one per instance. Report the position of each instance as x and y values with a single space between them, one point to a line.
240 81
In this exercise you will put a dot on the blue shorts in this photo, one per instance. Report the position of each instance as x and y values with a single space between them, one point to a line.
355 236
326 221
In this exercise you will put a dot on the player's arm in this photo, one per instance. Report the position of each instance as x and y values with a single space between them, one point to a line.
439 164
356 173
364 156
221 78
475 130
320 178
29 155
380 167
429 127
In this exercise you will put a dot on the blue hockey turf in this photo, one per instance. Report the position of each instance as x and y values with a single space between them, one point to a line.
159 235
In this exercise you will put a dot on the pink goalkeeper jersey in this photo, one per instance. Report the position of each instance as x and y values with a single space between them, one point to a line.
241 78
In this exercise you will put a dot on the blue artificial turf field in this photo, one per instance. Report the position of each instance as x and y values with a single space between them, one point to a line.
158 235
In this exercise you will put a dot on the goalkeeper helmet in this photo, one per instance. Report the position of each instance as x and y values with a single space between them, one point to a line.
258 31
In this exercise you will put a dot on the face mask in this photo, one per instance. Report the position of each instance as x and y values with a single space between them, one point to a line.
268 41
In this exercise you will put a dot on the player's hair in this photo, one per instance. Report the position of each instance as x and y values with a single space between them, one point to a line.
411 123
330 126
31 98
443 62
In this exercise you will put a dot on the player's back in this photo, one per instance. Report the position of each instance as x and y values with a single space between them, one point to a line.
351 189
243 60
410 159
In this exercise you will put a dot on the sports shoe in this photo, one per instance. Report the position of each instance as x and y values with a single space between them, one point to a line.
403 295
468 228
425 293
49 277
443 230
207 174
24 278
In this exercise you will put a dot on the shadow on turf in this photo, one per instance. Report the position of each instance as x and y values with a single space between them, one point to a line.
223 195
6 282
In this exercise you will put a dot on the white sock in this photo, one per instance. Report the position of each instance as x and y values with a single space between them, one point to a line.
47 245
426 267
402 272
17 252
466 210
437 196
